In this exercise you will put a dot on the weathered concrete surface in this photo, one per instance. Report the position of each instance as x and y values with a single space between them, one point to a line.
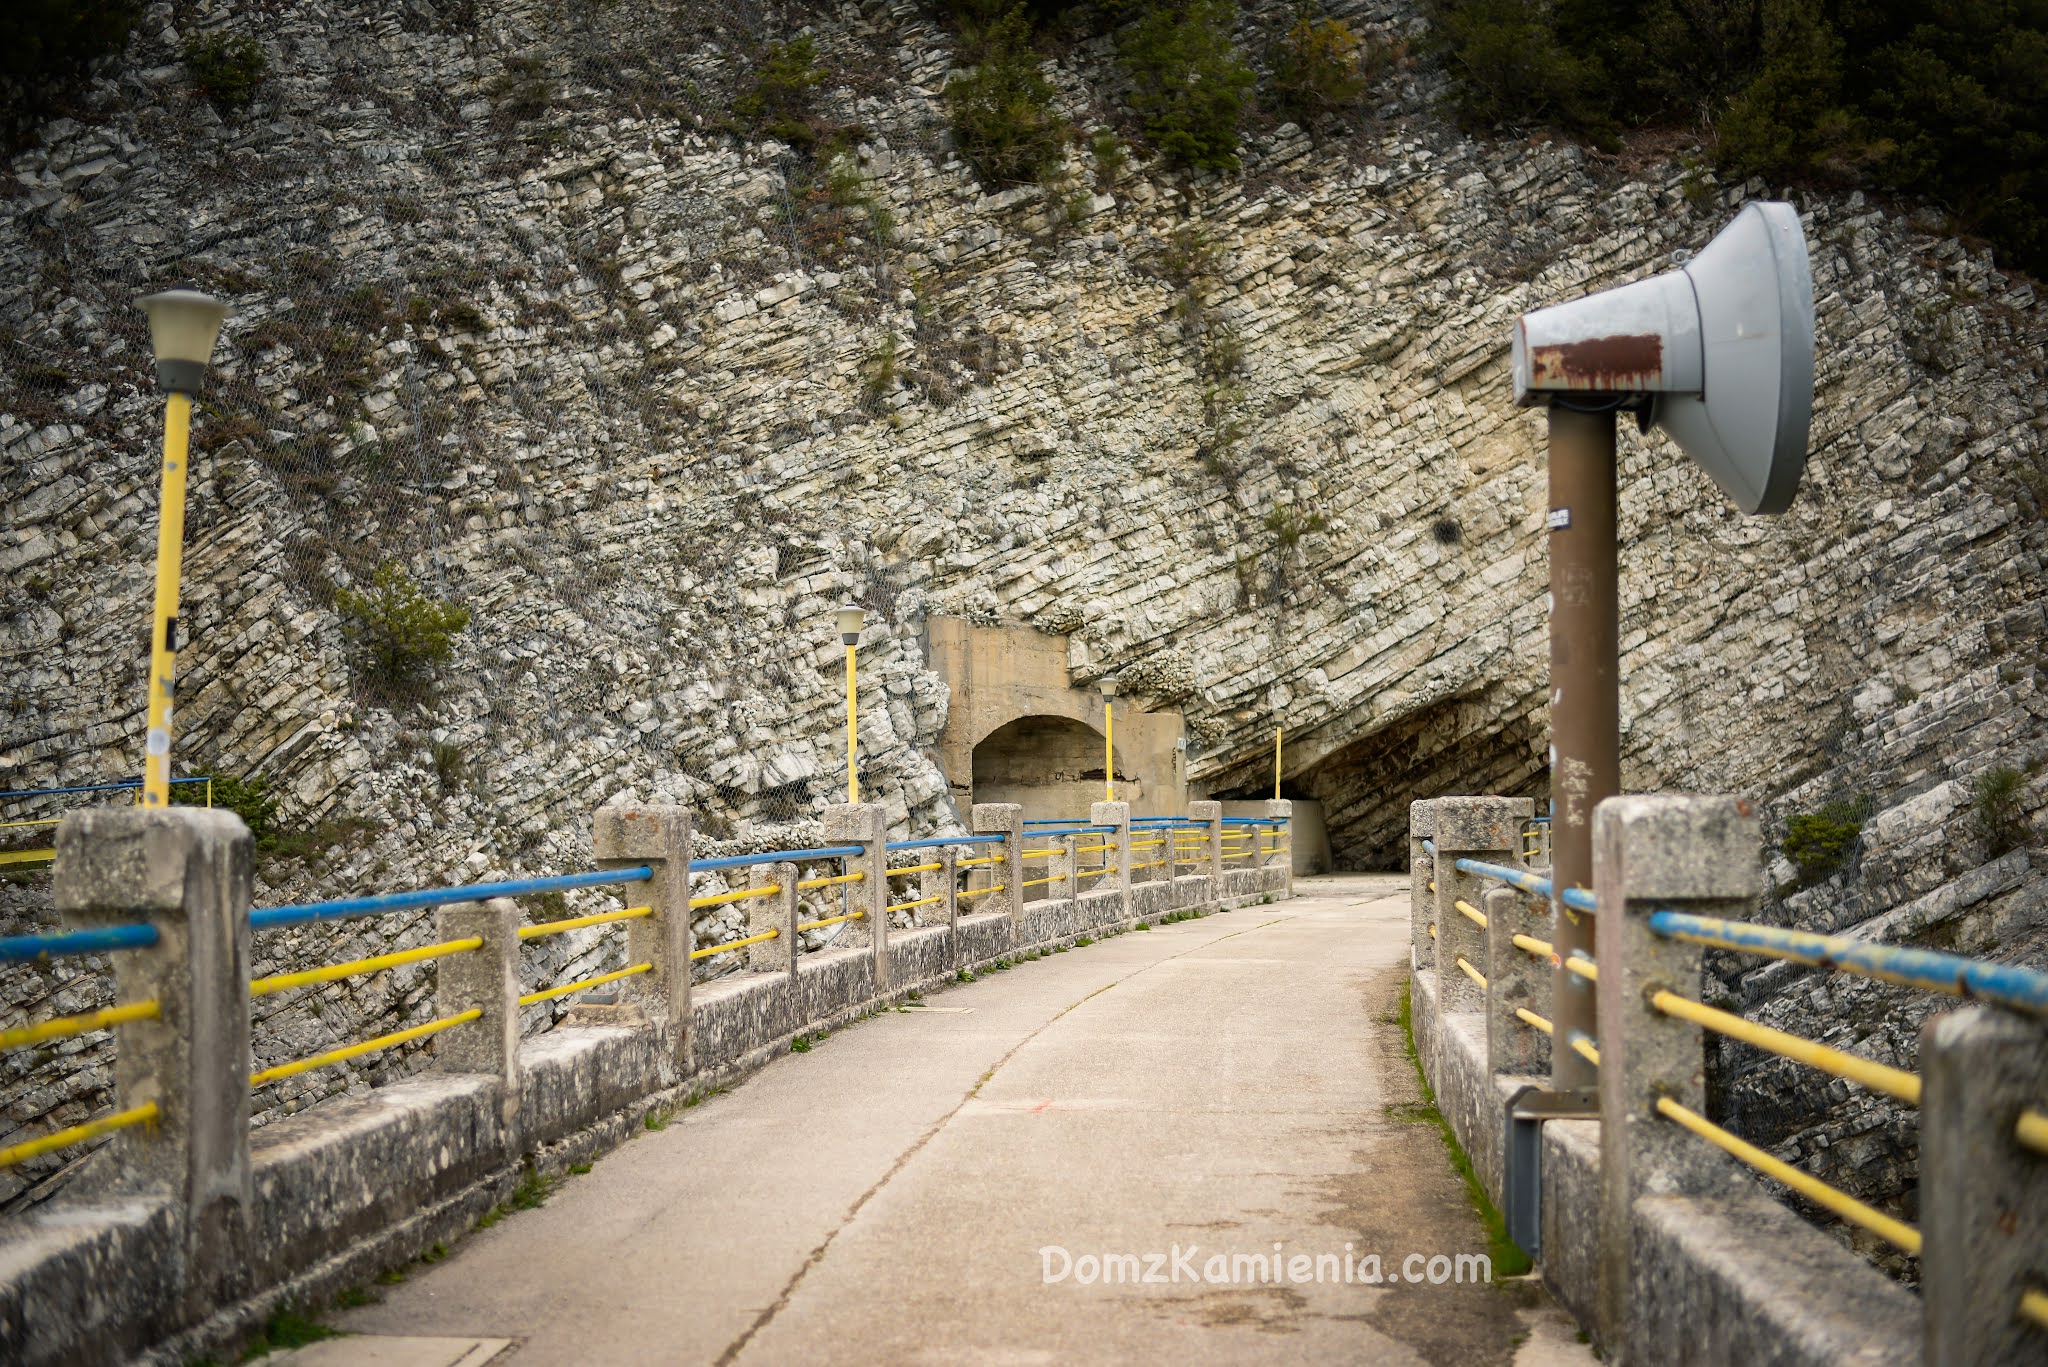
1230 1083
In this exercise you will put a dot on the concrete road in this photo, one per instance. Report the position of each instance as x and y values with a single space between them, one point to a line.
1044 1166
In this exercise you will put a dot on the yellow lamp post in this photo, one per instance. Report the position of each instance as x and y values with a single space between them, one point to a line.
183 325
1108 686
1276 762
851 618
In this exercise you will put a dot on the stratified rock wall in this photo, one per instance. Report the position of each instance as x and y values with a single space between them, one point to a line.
522 308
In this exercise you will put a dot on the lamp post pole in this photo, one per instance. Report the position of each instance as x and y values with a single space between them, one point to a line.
183 325
1585 704
851 618
1108 686
1276 761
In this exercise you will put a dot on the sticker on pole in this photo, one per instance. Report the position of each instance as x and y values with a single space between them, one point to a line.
159 741
1559 519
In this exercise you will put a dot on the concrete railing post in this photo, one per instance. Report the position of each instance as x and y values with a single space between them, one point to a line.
1007 820
1983 1195
777 913
658 837
1066 866
1515 978
184 870
1484 828
1282 811
866 824
942 883
1117 815
1210 860
1421 873
485 980
1694 854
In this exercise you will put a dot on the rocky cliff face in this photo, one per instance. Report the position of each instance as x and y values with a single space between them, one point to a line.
522 308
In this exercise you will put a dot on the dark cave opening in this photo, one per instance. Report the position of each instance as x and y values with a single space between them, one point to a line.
1476 744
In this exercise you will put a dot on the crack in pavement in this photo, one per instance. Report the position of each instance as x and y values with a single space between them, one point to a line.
817 1255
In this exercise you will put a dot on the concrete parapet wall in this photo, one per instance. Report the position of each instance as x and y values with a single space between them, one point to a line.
1731 1276
357 1184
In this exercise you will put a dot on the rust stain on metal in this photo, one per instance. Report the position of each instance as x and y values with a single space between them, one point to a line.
1627 361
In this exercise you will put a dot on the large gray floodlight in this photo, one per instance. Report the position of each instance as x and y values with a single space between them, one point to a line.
1719 353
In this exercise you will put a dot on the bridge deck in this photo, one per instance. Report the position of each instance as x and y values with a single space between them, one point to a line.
1226 1083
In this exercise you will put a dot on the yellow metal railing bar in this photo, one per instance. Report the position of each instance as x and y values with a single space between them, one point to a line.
544 928
1474 974
742 895
1094 849
831 921
39 821
368 1046
599 981
730 945
975 863
1583 968
807 884
1155 864
920 902
64 1027
1881 1077
2033 1305
1041 882
1529 944
2033 1131
1094 873
1805 1183
25 856
980 892
1021 854
916 868
284 982
62 1139
1472 913
1525 1014
1586 1049
1146 844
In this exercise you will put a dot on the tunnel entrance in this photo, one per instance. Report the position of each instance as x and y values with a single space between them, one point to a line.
1050 766
1476 744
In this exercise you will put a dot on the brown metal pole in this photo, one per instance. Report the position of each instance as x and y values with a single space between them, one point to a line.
1585 705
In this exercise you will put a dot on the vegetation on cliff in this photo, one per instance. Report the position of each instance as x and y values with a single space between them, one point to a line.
1943 99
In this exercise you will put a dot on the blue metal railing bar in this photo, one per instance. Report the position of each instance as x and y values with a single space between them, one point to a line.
1254 821
2009 985
22 948
1429 848
266 918
1578 899
936 841
94 787
740 861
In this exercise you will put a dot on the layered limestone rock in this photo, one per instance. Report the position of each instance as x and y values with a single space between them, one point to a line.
523 307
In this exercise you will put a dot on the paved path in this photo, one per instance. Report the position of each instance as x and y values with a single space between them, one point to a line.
1225 1084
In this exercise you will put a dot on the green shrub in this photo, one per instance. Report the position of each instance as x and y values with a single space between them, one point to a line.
1995 811
228 69
779 102
46 48
1002 111
1189 85
1319 68
522 91
249 798
402 632
1820 842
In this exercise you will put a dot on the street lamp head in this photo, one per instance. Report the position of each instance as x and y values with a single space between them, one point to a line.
1107 683
851 618
183 325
